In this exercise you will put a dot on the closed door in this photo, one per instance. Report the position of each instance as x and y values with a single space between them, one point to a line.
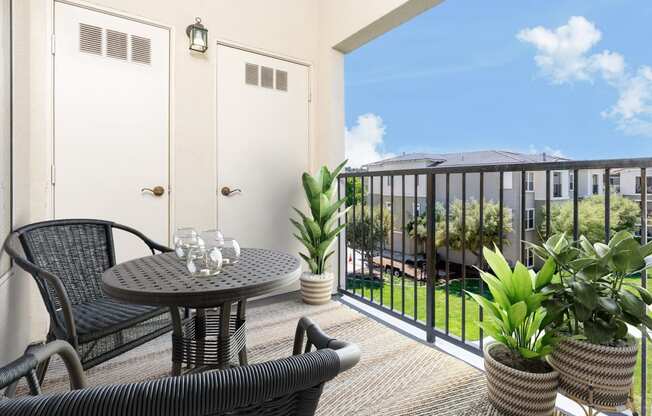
111 135
262 146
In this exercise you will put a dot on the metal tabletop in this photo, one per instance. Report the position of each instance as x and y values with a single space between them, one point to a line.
163 280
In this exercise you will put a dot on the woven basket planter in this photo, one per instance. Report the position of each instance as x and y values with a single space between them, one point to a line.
518 393
316 290
607 371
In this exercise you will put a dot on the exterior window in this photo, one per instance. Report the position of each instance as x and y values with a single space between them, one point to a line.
571 181
529 219
649 184
595 184
529 257
389 180
556 184
614 183
529 181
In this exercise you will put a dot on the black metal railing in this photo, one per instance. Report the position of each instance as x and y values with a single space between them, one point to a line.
382 263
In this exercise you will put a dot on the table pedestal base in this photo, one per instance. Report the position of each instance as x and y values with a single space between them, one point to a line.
209 338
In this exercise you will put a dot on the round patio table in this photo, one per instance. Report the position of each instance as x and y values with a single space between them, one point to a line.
208 338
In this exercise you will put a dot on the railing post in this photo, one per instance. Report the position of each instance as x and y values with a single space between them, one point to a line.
548 208
576 207
607 205
643 411
431 257
523 224
372 242
339 238
481 239
501 213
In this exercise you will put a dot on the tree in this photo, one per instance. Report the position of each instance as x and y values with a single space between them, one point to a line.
365 233
624 216
353 191
422 223
469 237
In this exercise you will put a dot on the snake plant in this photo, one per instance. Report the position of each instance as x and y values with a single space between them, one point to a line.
318 230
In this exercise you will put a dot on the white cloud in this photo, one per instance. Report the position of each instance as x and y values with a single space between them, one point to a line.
633 110
563 56
364 141
561 53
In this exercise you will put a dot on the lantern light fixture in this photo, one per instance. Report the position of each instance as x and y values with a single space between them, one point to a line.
198 36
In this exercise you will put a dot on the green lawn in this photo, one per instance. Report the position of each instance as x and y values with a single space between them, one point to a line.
455 314
408 301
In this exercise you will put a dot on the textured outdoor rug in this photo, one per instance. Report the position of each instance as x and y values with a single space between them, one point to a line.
396 376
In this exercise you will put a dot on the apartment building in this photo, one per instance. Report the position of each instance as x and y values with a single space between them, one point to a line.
414 189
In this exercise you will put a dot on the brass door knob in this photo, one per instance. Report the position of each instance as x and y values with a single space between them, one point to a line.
226 191
156 191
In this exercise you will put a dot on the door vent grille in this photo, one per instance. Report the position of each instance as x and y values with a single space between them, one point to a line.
90 39
266 77
281 80
116 44
141 49
251 74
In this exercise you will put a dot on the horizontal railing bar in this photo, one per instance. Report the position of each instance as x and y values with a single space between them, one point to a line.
644 162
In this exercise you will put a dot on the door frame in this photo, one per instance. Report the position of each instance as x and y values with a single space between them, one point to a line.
171 140
269 54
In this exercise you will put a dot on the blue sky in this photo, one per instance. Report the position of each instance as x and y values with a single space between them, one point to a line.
516 75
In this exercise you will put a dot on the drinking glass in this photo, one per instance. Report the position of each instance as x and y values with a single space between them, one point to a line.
230 251
203 261
184 240
213 238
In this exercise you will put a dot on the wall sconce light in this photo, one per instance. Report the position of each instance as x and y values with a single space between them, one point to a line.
198 36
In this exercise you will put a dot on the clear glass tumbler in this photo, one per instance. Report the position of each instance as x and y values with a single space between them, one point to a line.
204 261
185 239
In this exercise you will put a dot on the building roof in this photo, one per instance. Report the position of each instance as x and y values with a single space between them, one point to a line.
475 158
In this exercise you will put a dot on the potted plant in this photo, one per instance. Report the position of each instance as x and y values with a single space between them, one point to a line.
520 382
591 307
317 232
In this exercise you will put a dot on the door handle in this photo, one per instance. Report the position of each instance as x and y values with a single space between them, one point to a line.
156 191
226 191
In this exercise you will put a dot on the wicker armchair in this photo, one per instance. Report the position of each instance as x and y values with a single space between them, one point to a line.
289 386
66 258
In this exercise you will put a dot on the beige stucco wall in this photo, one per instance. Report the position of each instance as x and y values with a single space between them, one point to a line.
307 30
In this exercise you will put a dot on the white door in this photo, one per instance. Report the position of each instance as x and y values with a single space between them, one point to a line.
111 135
262 146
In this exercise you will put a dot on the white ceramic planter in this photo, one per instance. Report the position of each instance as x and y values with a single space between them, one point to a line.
316 289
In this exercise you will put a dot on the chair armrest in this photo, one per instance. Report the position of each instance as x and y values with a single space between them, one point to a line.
349 354
37 354
153 245
50 278
17 369
213 392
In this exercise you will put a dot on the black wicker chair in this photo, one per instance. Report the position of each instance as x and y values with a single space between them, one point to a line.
67 259
290 386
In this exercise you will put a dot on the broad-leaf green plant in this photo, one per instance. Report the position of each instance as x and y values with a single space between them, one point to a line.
515 317
591 299
318 230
